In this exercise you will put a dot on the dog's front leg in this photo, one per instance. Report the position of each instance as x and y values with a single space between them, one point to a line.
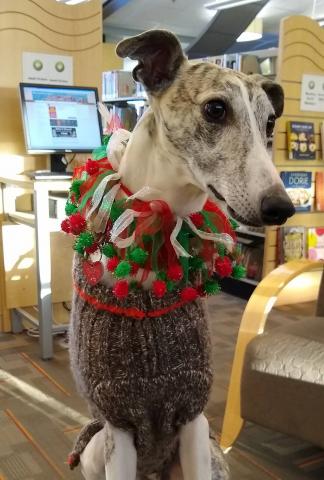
120 454
92 458
195 457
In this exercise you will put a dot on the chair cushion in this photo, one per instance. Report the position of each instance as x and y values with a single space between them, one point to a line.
294 351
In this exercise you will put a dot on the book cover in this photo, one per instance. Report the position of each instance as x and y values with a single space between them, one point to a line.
301 141
292 244
299 188
316 243
319 191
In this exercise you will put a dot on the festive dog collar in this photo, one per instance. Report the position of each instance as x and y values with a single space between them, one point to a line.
137 237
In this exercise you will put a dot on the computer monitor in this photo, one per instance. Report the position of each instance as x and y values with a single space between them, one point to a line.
60 119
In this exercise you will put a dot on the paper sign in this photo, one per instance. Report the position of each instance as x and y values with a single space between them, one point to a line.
312 94
45 68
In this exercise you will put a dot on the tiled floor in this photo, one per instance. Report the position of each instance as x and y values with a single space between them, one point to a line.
40 412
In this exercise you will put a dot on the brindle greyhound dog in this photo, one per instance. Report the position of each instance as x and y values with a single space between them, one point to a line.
204 135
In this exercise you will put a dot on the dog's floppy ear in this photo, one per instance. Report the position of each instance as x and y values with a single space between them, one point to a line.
274 92
159 56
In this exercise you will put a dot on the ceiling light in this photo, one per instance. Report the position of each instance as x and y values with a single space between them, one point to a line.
72 2
253 31
224 4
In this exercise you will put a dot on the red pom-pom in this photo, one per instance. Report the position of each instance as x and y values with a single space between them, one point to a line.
78 223
92 167
197 219
66 226
159 288
93 248
135 268
175 272
121 289
112 264
189 294
223 266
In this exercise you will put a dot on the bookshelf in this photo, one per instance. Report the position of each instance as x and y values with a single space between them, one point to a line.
300 52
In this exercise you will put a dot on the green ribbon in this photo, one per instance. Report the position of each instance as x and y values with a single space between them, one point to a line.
208 221
184 240
90 193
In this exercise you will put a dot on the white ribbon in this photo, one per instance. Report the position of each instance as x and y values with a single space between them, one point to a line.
179 250
145 192
121 224
99 192
224 238
101 220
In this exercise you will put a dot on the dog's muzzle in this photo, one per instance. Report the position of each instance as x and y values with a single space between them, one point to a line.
276 207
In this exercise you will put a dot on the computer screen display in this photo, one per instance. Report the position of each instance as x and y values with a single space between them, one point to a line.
60 119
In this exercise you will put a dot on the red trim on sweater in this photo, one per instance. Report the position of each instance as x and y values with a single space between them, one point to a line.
128 312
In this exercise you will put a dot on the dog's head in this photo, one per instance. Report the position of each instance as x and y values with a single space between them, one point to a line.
217 121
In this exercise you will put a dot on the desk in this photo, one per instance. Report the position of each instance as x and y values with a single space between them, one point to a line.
43 225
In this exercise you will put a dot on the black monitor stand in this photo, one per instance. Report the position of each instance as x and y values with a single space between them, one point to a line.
56 164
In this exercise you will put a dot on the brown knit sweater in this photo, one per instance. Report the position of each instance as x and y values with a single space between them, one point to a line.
148 376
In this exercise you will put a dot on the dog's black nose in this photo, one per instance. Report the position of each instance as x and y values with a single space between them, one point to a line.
276 207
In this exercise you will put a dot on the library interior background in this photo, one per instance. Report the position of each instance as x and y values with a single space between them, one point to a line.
69 105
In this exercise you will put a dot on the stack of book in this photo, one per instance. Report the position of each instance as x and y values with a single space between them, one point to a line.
120 84
295 243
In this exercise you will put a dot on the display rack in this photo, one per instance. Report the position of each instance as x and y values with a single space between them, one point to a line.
300 52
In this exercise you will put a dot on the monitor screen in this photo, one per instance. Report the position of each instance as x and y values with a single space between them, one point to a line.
60 119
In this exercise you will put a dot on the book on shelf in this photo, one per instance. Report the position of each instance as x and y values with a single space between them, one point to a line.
315 237
301 141
292 244
319 191
120 84
299 188
322 138
252 259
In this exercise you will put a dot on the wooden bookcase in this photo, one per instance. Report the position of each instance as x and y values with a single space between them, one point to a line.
300 52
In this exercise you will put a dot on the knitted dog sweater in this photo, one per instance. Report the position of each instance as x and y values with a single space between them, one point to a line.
147 375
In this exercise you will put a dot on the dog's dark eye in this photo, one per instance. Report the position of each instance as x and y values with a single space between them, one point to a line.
270 125
215 111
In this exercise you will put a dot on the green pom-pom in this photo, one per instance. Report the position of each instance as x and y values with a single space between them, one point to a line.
161 276
78 248
109 250
196 263
234 224
115 212
221 249
84 240
147 238
75 187
70 208
138 255
212 287
123 269
239 271
170 285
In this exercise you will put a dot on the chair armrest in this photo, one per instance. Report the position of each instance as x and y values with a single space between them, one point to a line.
252 324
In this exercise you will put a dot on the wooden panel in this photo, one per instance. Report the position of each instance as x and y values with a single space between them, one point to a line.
110 61
300 52
307 219
20 269
44 26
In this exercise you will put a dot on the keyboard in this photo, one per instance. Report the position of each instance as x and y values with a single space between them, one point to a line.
48 175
